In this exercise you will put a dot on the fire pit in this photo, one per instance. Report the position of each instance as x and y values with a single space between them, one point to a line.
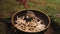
30 21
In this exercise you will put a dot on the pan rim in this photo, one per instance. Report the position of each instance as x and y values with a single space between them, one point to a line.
36 10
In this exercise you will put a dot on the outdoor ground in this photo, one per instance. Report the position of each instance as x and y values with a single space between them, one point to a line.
50 7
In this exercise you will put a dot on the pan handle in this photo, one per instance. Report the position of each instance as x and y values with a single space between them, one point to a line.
5 20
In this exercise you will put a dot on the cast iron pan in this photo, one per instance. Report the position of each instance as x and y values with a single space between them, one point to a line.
38 13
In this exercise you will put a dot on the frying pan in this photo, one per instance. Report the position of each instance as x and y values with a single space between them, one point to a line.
38 13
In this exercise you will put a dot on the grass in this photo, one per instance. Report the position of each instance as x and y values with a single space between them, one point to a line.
9 7
50 7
